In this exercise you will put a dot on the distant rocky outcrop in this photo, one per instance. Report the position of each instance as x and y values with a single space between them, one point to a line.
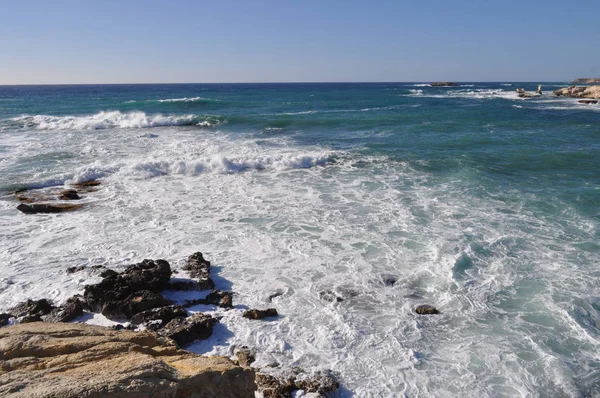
579 91
66 360
521 93
444 84
587 80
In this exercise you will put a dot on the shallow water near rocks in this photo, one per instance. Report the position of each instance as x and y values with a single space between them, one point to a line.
477 202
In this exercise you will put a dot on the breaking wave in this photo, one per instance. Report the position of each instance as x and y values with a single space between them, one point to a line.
113 119
230 165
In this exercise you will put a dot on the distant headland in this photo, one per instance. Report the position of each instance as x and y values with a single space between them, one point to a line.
587 80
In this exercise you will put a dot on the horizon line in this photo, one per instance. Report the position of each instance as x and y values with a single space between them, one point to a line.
290 82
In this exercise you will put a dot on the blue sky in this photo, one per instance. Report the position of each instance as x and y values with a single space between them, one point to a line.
135 41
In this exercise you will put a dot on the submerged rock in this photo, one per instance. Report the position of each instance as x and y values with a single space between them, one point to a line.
187 330
46 208
328 295
76 360
588 101
260 314
426 309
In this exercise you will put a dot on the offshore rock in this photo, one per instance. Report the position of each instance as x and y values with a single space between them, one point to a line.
444 84
592 92
104 272
426 309
199 268
45 208
260 314
588 101
60 360
185 331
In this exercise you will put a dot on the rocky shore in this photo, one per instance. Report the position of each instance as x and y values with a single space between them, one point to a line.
42 356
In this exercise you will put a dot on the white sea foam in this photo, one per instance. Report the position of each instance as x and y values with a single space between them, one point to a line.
270 221
185 99
105 120
416 92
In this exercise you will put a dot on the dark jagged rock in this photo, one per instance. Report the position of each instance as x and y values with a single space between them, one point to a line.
31 318
260 314
70 310
444 84
426 309
148 275
328 295
244 356
69 194
159 316
199 268
588 101
187 330
142 300
45 208
4 319
32 309
272 387
216 297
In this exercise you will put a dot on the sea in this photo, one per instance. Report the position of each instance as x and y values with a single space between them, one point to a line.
344 206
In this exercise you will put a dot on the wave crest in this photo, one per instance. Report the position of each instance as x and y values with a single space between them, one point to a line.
113 119
231 165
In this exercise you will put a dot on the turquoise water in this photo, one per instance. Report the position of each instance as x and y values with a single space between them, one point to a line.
478 202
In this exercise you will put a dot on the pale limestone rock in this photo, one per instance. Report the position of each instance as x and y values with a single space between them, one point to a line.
69 360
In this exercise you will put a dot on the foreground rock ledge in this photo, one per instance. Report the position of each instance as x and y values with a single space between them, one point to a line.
77 360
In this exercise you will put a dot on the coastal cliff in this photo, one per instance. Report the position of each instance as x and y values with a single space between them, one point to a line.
64 360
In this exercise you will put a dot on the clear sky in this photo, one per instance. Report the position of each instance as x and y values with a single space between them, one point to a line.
146 41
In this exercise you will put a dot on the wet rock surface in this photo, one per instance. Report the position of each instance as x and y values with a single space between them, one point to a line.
216 297
133 304
260 314
31 308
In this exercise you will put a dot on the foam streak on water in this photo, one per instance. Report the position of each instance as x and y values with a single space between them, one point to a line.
512 269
